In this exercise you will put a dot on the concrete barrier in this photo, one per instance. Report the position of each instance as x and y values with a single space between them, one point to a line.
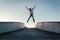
10 26
49 26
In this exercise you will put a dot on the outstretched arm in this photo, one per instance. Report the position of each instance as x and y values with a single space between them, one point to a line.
33 7
27 8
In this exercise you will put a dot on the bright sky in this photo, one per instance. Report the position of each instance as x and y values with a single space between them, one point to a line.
14 10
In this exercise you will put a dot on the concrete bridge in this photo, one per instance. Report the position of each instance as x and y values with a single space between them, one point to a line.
29 34
17 31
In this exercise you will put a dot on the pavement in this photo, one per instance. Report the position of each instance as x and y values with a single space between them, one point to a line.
29 34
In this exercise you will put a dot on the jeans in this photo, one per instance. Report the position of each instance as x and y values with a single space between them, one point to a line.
31 15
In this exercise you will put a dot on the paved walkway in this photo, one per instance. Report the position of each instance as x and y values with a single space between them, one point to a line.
29 34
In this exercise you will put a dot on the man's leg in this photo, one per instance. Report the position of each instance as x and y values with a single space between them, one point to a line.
33 18
29 18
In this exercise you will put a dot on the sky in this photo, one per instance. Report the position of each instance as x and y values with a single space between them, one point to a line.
15 10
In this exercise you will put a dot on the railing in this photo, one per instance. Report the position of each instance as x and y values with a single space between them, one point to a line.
49 26
10 26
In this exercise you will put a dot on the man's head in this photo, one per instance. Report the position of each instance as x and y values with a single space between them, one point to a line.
29 8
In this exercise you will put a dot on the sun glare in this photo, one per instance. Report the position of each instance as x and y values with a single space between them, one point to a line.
30 25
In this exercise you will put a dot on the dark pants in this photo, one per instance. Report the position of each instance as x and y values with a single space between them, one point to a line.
31 15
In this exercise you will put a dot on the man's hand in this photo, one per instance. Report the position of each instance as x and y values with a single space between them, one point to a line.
26 7
33 7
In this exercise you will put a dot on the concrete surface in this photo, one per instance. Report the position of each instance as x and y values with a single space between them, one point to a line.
10 26
49 26
30 34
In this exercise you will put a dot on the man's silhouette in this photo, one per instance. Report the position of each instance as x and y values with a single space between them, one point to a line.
31 13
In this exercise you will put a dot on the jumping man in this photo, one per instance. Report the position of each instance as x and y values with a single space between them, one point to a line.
31 13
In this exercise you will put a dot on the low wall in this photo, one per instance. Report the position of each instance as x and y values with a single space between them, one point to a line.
49 26
10 26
